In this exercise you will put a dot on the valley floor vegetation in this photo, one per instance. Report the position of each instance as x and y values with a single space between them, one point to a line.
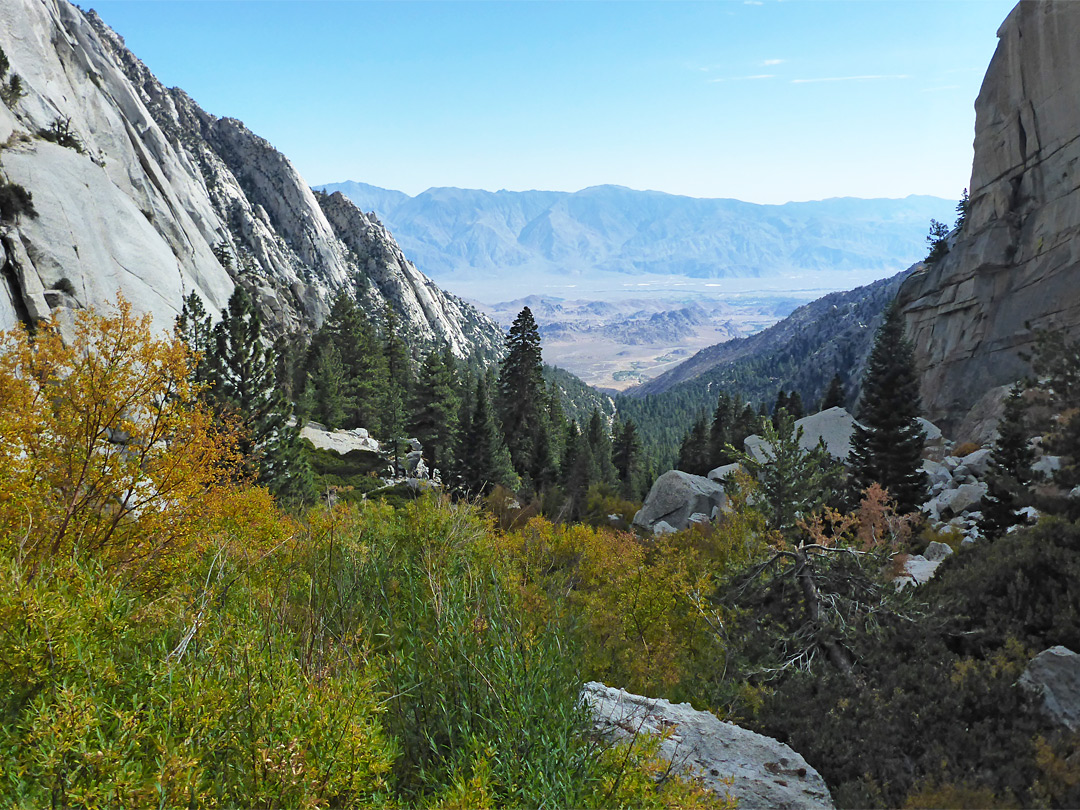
173 635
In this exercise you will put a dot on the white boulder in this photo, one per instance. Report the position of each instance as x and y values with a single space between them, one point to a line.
675 496
763 772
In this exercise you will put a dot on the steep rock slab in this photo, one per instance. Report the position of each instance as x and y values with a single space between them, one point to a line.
833 426
162 199
764 773
1013 268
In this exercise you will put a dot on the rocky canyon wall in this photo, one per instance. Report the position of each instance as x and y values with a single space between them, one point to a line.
1014 267
153 197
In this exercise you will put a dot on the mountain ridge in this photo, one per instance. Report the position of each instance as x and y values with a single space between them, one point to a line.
151 196
614 229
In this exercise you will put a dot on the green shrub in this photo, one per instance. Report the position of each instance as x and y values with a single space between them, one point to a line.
14 201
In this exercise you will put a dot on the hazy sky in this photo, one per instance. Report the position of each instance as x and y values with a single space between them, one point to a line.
761 100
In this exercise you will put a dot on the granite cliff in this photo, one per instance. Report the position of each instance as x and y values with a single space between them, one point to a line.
1013 267
139 190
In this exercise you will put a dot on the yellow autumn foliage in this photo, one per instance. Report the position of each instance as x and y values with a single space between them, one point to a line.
106 451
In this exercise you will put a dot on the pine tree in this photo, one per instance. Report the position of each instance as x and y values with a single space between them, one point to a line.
795 406
485 461
600 446
938 240
194 327
781 404
398 382
887 446
627 458
835 397
794 482
694 453
523 401
435 409
324 395
244 387
363 359
1010 469
721 432
578 470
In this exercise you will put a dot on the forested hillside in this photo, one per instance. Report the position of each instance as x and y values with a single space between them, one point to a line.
802 353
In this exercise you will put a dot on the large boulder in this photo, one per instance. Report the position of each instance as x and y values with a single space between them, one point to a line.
763 772
675 496
834 426
340 441
1054 675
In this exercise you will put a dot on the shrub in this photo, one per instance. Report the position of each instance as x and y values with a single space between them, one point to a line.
107 452
61 133
15 201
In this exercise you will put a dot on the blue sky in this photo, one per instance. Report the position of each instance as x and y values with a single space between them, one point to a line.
763 100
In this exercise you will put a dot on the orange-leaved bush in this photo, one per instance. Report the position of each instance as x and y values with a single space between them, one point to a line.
106 450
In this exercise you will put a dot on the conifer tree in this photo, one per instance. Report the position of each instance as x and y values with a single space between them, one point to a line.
794 482
578 470
695 453
627 457
324 395
722 430
435 409
795 406
887 444
523 401
1010 469
363 359
194 327
244 387
600 447
398 381
485 461
835 397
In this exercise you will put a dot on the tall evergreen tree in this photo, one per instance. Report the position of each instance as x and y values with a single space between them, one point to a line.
600 447
1010 469
485 461
578 470
435 409
888 443
695 452
795 406
244 387
627 457
324 398
722 430
398 381
194 327
835 397
363 359
523 400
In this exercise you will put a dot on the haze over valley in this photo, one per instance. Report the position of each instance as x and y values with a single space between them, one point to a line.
630 283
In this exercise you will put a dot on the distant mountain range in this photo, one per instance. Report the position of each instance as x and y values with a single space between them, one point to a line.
611 229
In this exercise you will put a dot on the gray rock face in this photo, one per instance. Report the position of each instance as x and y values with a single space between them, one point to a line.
953 502
764 773
676 496
1054 675
1013 266
164 199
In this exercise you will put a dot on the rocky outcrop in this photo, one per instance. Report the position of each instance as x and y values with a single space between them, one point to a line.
155 198
675 498
1054 677
1013 267
834 427
340 441
758 771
